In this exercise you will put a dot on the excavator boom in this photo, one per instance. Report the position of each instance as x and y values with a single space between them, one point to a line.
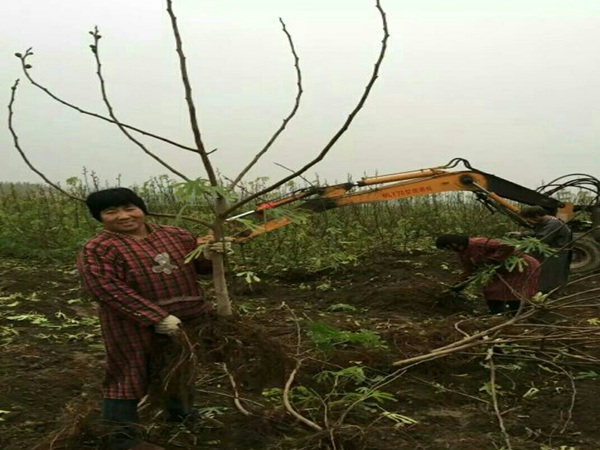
495 192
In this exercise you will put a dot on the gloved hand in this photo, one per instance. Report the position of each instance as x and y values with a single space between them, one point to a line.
222 246
169 325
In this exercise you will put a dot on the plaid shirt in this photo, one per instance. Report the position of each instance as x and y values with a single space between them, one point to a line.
516 284
127 276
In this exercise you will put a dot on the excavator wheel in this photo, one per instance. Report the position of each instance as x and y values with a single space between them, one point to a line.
586 255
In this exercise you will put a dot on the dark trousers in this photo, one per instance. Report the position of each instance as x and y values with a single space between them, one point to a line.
177 409
501 306
122 416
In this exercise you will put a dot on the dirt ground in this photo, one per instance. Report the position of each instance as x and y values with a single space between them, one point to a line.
535 388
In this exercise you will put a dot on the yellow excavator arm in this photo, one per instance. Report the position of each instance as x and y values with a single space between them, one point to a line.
496 193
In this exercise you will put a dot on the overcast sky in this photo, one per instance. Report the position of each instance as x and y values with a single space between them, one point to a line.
511 85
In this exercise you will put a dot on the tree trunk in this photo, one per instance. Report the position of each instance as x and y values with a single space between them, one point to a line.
218 260
221 292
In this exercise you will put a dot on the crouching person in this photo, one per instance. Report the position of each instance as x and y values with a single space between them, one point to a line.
555 268
506 289
131 268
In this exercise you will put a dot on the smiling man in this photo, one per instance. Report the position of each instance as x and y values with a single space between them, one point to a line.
136 271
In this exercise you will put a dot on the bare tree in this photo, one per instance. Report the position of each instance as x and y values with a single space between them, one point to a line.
222 206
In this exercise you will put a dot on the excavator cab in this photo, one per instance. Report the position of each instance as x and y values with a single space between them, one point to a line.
582 215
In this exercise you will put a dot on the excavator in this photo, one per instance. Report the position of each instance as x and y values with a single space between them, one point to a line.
497 194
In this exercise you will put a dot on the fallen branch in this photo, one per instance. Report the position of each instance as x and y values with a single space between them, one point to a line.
476 339
288 406
236 395
490 359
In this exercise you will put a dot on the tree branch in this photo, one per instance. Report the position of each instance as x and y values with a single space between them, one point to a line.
26 66
55 185
220 206
289 116
96 51
178 216
22 153
189 99
341 131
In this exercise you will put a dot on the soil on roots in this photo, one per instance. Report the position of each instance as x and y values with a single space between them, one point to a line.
244 351
545 377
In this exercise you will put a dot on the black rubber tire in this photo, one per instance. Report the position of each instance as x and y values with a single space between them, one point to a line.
586 255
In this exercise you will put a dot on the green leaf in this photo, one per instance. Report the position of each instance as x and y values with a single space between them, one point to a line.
338 307
589 375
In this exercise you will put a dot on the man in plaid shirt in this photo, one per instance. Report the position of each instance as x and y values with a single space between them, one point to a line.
128 268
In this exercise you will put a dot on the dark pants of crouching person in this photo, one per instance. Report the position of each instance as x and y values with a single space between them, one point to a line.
554 271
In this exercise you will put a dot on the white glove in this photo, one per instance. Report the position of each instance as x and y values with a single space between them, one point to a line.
169 325
222 246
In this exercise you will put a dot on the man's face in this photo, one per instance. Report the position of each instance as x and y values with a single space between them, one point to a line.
127 219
